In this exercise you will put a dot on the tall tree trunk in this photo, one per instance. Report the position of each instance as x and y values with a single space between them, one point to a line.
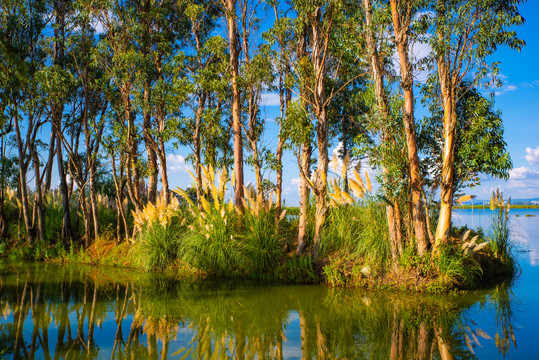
57 112
47 171
318 56
23 167
383 107
40 207
93 201
401 27
446 186
197 146
304 191
236 102
152 156
284 100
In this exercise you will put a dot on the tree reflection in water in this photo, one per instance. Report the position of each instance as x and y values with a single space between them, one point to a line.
82 313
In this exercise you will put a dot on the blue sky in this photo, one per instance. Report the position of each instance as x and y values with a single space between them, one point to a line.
518 100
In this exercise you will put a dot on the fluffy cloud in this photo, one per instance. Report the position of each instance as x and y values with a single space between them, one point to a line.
523 183
532 156
296 182
269 99
176 164
419 50
523 173
272 99
505 89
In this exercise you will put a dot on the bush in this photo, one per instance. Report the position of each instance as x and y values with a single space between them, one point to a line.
159 246
298 270
455 267
357 230
263 236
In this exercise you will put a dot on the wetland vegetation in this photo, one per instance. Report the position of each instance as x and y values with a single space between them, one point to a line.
120 85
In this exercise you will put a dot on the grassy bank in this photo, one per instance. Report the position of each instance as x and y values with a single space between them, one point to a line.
214 238
217 241
486 207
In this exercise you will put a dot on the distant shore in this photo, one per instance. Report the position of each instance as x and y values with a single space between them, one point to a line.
486 206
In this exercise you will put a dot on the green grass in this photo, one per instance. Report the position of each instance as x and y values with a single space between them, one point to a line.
357 231
158 246
264 241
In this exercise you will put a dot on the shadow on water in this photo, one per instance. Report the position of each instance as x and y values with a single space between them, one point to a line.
50 312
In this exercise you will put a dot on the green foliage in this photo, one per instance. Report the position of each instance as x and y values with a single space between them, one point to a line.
480 148
158 246
455 268
500 237
357 230
263 240
298 270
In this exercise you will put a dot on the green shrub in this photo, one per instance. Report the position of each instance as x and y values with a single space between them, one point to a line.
454 267
159 246
298 269
500 242
263 237
357 230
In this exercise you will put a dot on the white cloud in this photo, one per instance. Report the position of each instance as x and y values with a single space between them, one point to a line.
419 50
523 183
532 156
297 182
272 99
523 173
176 164
505 89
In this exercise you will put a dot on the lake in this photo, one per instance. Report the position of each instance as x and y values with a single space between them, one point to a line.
77 312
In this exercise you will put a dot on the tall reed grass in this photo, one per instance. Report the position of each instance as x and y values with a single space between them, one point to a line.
500 241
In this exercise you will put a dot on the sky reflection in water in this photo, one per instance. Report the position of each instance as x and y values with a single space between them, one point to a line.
49 312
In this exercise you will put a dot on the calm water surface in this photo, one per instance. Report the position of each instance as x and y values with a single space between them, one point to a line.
50 312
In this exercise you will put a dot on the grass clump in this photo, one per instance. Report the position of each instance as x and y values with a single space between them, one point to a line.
158 237
454 267
159 246
211 243
298 269
500 242
264 238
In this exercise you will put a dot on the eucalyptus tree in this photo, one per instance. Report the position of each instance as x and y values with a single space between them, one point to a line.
119 60
21 59
204 78
378 55
479 144
61 77
256 74
281 35
161 29
327 26
231 14
402 14
85 120
465 34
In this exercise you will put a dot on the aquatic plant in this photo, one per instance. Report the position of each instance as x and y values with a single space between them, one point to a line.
500 241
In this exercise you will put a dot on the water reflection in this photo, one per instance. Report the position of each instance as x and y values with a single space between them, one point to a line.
76 313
